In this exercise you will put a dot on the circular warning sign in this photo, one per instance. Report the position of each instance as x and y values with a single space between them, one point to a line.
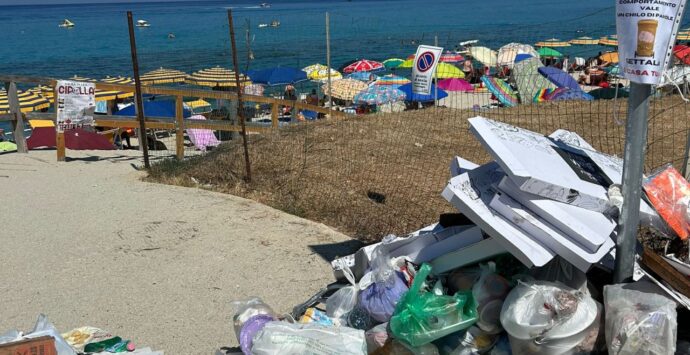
425 61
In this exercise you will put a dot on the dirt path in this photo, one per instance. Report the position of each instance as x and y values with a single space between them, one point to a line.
87 243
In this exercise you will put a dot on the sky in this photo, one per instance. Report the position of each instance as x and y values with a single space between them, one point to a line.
55 2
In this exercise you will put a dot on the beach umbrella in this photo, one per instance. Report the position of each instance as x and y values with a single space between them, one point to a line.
392 63
611 40
407 64
613 70
454 84
45 92
28 101
391 79
450 57
445 71
484 55
199 105
683 36
216 77
682 52
254 89
501 90
553 43
364 65
379 95
611 57
508 53
163 76
549 52
363 76
105 95
411 96
319 72
118 80
344 89
277 76
559 78
584 41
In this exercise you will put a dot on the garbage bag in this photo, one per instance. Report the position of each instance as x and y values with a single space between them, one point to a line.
395 347
639 322
249 317
379 298
421 317
546 318
44 327
489 292
376 337
314 339
345 299
669 193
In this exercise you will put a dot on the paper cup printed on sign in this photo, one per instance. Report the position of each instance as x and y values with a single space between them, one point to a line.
425 62
646 34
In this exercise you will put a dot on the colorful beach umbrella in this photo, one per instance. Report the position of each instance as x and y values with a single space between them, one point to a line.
105 95
392 63
445 71
364 65
379 95
163 76
549 52
407 64
277 76
484 55
450 57
584 41
391 79
508 53
559 78
28 101
216 77
319 72
363 76
553 43
611 57
411 96
682 52
454 84
611 40
344 89
501 90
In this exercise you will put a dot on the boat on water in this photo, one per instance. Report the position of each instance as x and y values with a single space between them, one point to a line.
265 5
143 23
66 24
263 25
275 23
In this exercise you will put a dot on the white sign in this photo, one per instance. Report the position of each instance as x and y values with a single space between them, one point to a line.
423 68
76 103
646 34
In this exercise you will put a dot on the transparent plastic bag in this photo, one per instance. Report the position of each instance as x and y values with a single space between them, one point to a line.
639 322
422 317
44 327
249 317
344 300
376 337
669 193
379 298
312 338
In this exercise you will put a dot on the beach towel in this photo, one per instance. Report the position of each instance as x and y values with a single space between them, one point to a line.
528 80
202 138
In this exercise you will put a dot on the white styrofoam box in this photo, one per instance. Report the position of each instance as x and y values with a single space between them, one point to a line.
468 255
590 229
548 234
537 165
570 138
464 238
459 165
471 194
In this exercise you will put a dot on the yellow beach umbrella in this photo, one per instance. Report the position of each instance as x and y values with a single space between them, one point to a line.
406 64
553 43
44 91
447 71
104 95
611 57
584 41
216 77
345 89
683 36
163 76
484 55
609 41
118 80
28 101
319 72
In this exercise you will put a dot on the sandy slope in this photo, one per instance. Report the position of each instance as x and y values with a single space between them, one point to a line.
87 243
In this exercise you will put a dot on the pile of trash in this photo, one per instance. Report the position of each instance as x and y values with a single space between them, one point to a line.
45 339
524 267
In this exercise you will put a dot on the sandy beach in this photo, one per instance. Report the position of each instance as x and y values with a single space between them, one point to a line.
87 243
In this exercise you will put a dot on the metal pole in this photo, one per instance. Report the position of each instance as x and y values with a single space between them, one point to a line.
328 59
436 76
635 146
240 106
143 141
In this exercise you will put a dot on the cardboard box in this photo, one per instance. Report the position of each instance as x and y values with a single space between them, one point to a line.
44 345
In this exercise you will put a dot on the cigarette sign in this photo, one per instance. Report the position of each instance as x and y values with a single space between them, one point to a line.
76 103
425 62
646 33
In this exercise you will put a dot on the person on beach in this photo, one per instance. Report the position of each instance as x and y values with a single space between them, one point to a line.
313 98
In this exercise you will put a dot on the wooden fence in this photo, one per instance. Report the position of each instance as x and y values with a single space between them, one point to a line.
179 124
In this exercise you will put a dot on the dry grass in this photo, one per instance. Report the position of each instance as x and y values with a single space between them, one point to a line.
372 175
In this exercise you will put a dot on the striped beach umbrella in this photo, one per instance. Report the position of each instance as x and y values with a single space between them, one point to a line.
392 63
501 90
44 91
611 40
28 101
216 77
553 43
319 72
345 89
118 80
391 79
508 53
364 65
484 55
163 76
105 95
683 36
584 41
379 95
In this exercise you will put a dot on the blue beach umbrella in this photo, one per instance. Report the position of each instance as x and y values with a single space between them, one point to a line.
164 108
277 76
378 95
410 96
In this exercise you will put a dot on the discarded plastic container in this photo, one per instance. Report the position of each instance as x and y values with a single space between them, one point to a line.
490 317
546 318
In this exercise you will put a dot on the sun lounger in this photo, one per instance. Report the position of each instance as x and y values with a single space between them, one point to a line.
202 138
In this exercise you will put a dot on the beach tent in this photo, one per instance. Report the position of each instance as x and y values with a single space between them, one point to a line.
484 55
164 108
549 52
277 76
521 57
528 80
559 78
508 53
379 95
364 65
454 84
501 90
411 96
76 139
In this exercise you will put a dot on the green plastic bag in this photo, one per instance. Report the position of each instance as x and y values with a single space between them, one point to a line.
422 317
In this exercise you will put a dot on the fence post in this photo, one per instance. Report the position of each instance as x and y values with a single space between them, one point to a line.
59 131
143 139
179 133
240 107
328 60
18 122
275 111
